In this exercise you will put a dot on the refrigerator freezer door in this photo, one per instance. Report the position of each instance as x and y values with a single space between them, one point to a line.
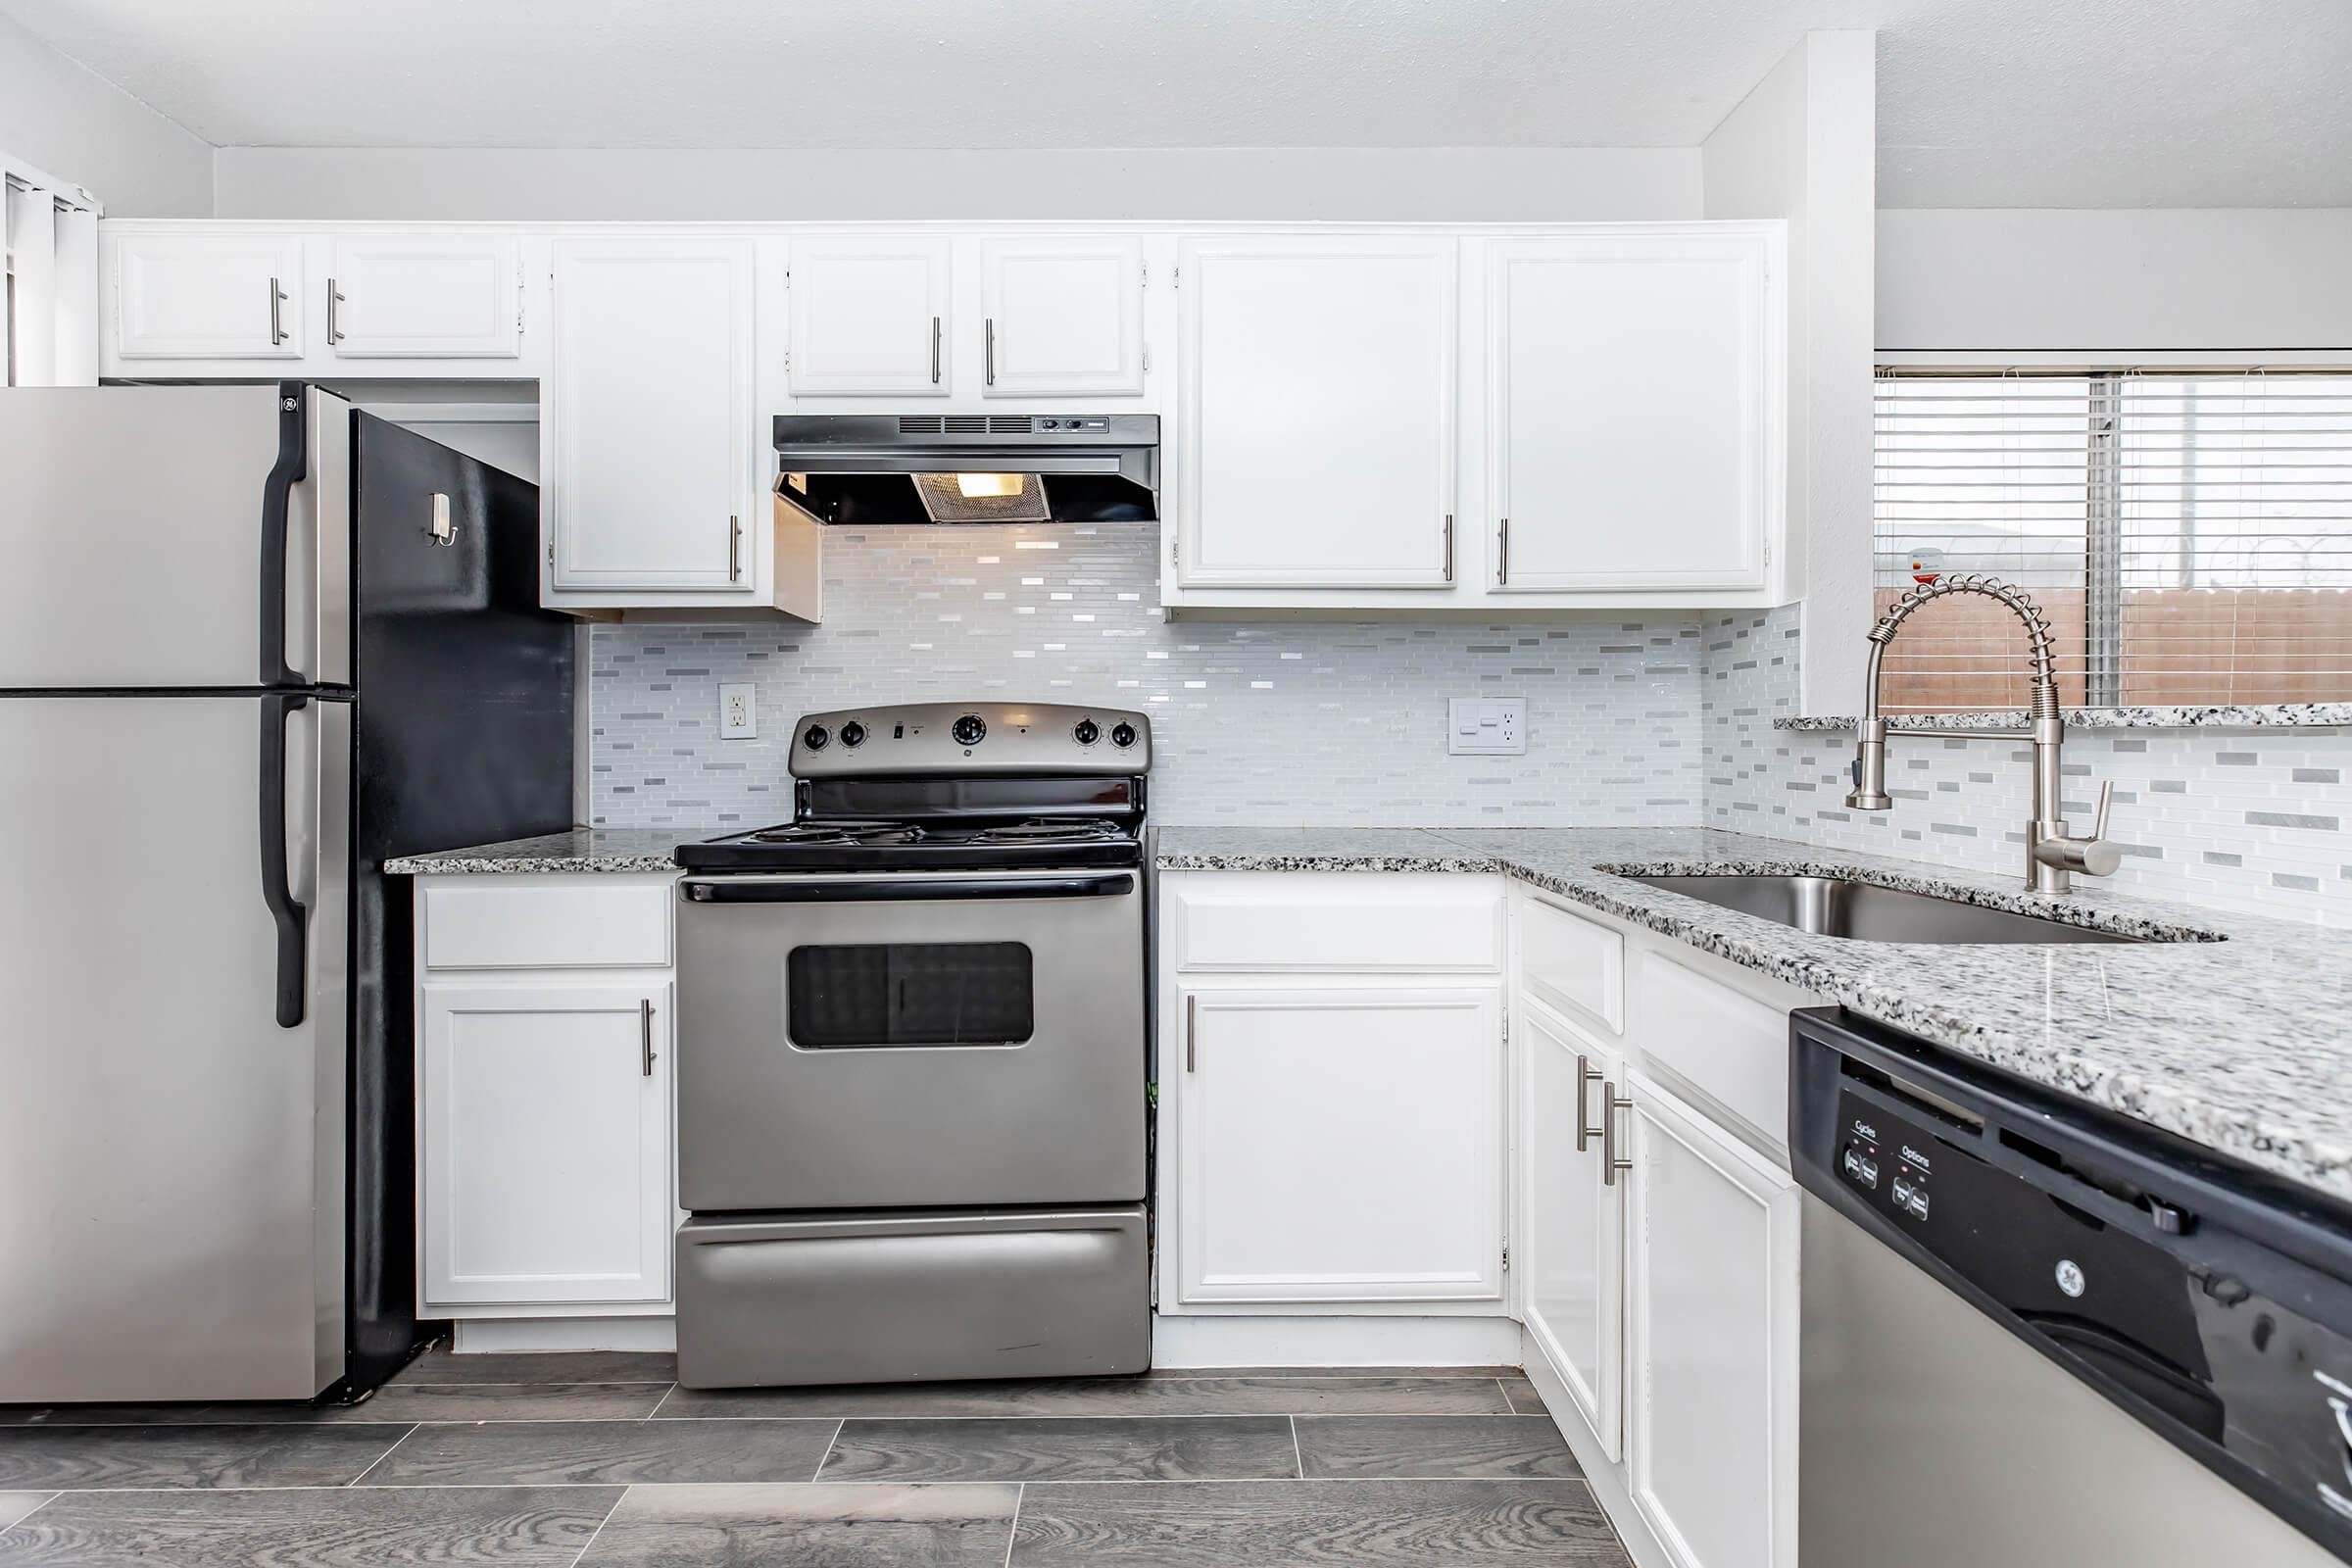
133 535
171 1159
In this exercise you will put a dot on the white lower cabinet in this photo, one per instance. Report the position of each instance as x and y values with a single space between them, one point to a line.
1571 1225
545 1163
1711 1370
1339 1146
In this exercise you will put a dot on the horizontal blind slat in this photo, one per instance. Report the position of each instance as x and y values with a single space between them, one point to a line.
2220 503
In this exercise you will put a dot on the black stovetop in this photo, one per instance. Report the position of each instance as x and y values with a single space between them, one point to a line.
903 846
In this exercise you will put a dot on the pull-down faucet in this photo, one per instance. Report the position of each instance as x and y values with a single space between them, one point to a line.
2051 857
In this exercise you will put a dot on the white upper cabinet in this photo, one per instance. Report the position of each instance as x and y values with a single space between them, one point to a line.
208 295
1634 439
423 295
1061 314
651 478
870 315
1315 444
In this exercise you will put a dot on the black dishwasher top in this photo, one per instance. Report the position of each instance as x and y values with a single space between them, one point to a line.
2210 1302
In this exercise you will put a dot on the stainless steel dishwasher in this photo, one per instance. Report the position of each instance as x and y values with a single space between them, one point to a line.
2036 1334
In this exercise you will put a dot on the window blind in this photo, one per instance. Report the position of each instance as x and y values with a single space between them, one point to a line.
2188 535
49 325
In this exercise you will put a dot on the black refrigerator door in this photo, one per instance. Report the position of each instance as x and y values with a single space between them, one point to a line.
464 735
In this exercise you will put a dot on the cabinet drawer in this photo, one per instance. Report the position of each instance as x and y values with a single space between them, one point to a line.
1731 1047
579 924
1338 922
1574 963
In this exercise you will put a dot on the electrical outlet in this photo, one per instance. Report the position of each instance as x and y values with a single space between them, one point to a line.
1486 726
738 711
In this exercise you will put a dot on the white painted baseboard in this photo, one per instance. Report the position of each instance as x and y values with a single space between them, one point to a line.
483 1335
1334 1342
1606 1480
1176 1341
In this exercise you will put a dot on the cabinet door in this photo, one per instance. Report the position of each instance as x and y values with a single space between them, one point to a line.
1318 412
650 419
545 1157
870 315
1339 1146
1061 315
208 296
1571 1222
425 296
1633 428
1713 1341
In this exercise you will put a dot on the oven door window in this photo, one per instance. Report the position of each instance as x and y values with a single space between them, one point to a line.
847 998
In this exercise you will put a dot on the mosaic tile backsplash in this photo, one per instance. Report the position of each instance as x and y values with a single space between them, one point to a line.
1254 725
2243 819
1662 721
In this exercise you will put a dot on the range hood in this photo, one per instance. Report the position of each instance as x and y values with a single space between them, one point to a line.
870 469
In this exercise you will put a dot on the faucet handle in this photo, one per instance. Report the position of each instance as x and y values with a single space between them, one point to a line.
2098 822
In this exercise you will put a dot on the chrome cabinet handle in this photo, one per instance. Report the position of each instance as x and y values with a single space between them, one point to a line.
277 327
935 351
989 337
334 297
1611 1102
1191 1033
734 548
645 1034
1503 559
1450 547
1587 1075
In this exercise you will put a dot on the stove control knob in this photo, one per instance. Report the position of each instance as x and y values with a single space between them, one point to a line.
815 737
1087 733
1122 735
853 733
968 731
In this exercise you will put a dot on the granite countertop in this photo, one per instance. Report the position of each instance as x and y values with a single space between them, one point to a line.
2274 716
576 850
2241 1045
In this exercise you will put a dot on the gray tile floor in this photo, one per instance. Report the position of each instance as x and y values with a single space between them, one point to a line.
599 1460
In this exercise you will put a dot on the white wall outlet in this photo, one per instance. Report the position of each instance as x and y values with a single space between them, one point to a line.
1486 726
738 711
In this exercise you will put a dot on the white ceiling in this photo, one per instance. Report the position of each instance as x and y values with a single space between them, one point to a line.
2093 103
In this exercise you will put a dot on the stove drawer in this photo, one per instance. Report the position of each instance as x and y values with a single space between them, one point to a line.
896 1298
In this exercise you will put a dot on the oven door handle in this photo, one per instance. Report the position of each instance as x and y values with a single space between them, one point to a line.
902 890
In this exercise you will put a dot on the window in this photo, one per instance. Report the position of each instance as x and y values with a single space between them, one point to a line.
49 315
2188 534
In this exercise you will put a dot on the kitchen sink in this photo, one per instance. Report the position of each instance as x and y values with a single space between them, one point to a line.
1830 906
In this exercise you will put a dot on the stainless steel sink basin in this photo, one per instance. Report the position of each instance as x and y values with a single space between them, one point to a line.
1831 908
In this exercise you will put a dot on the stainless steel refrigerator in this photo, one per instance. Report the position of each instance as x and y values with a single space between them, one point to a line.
253 643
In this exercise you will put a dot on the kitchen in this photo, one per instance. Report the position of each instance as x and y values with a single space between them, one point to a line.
1604 825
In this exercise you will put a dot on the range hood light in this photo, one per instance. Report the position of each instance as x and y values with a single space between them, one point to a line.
975 485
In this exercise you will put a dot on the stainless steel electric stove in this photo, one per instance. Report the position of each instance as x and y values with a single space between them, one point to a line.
912 1114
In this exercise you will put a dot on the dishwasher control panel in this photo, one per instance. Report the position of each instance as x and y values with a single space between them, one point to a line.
2211 1304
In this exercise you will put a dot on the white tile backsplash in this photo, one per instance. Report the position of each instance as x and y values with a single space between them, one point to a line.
1658 721
2255 820
1254 723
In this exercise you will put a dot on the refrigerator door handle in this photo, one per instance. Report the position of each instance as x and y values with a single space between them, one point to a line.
277 892
277 496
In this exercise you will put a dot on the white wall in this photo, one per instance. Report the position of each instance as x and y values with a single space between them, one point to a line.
71 125
2137 283
1801 146
1363 183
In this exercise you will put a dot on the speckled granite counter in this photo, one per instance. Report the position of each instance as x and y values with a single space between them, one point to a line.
2243 1045
580 848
